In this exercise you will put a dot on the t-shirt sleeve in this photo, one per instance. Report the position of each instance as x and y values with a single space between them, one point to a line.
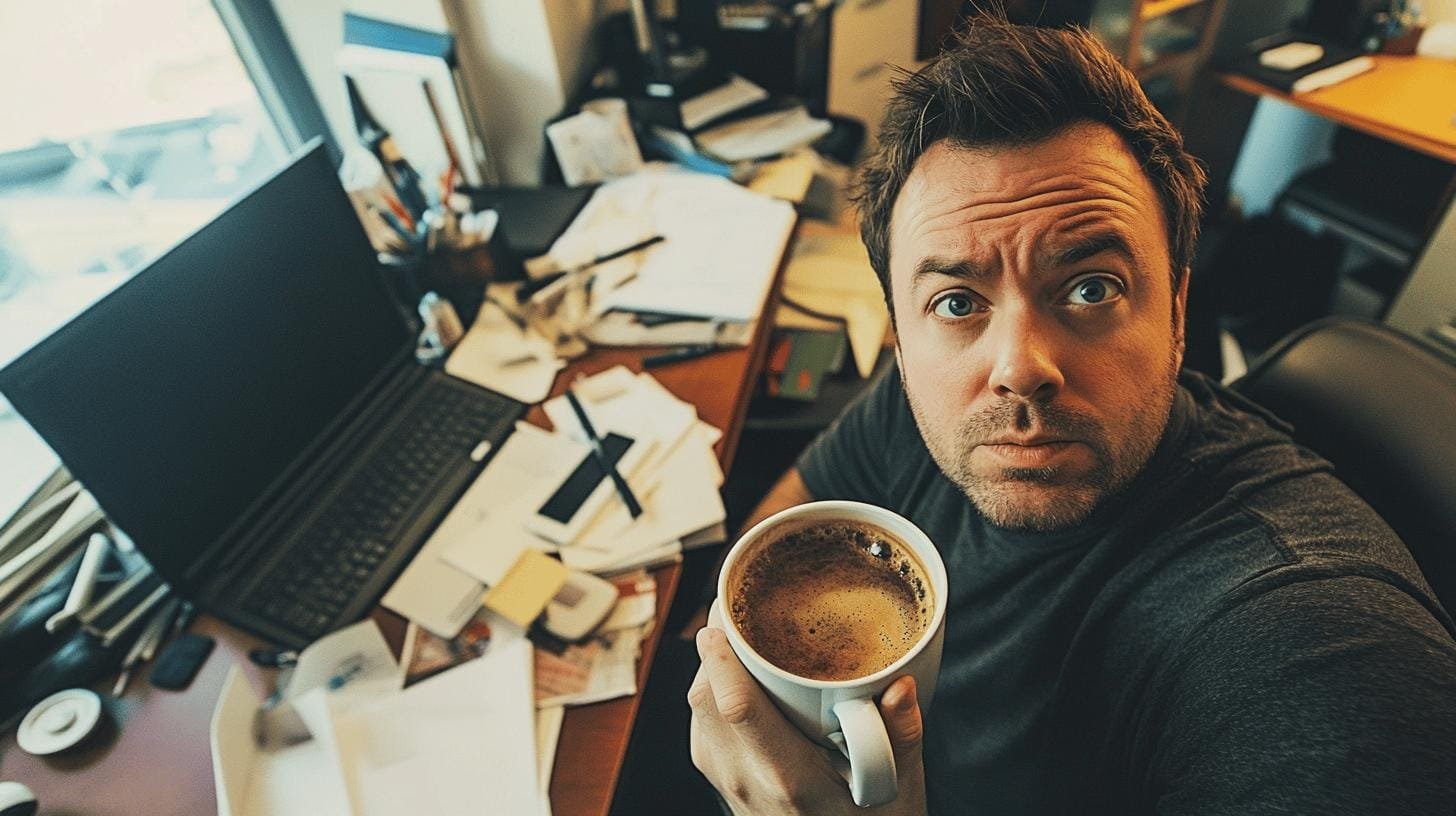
865 453
1329 696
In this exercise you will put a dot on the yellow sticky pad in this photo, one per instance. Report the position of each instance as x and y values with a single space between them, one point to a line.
530 583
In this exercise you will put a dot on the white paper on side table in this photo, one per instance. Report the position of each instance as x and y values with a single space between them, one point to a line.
431 748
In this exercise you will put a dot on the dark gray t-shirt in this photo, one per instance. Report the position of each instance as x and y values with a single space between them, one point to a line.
1237 633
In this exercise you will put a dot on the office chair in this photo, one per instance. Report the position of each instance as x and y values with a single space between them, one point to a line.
1382 408
1372 193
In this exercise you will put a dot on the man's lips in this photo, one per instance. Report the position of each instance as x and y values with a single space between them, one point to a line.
1027 441
1028 451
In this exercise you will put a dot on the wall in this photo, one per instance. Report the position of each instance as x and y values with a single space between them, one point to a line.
315 29
524 59
1440 11
521 60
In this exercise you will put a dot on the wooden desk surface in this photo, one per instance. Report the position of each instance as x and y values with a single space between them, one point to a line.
159 760
1407 100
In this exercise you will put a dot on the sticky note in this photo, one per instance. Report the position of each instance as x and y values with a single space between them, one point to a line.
526 588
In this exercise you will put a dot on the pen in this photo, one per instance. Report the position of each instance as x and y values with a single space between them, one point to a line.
680 354
394 223
532 287
610 469
144 647
520 322
186 613
612 256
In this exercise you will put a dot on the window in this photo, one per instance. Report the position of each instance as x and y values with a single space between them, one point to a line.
126 126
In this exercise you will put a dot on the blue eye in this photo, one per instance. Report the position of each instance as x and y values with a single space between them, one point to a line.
954 305
1094 290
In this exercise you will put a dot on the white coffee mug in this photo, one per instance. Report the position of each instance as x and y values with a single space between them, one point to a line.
841 714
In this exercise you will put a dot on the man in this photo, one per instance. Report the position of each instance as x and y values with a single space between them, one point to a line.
1158 603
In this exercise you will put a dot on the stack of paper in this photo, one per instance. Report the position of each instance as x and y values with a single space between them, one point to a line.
735 94
722 244
676 481
764 135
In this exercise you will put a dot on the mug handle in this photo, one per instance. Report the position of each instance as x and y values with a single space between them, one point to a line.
866 744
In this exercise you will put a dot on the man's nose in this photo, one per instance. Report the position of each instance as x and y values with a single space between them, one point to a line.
1024 356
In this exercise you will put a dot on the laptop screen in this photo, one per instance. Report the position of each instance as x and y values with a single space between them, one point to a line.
178 398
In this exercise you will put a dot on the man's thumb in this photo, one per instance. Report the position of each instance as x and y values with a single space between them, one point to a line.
901 711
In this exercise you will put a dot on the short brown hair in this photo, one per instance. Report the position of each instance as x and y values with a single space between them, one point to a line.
999 85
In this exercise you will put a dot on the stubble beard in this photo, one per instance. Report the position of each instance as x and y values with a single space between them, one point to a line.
1072 501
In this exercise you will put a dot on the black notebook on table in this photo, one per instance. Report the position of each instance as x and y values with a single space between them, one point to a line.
248 410
1249 65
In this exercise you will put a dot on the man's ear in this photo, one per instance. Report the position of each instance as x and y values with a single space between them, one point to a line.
1180 313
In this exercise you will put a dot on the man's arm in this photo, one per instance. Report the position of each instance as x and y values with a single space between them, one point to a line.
789 491
1335 696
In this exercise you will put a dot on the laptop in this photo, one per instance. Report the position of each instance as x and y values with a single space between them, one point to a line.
248 410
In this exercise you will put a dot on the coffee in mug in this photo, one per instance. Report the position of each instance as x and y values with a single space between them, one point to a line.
831 600
826 603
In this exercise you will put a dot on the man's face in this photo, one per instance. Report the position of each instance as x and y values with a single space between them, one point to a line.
1037 329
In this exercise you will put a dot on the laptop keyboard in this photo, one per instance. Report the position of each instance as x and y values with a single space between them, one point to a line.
332 559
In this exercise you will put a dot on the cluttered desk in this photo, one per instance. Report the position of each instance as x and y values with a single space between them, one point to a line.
276 441
377 486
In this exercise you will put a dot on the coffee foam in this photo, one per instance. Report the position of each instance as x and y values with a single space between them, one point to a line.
833 601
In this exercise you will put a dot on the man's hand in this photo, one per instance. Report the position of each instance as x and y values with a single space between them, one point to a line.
761 764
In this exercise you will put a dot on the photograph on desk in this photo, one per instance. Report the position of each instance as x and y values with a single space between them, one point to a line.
384 386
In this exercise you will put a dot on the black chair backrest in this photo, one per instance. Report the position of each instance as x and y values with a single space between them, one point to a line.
1382 408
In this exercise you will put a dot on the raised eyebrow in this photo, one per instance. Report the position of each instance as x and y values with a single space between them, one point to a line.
965 270
1091 246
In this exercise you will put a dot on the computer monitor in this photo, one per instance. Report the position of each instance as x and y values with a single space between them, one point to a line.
181 397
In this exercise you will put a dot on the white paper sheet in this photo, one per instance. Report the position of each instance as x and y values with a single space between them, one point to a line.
300 780
462 742
390 84
764 135
686 500
636 406
732 95
832 274
486 530
596 144
722 243
498 355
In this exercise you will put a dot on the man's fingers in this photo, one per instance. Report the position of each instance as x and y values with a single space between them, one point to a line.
900 708
743 704
700 694
735 692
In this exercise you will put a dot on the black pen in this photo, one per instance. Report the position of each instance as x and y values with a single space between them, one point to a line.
680 354
532 287
600 453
